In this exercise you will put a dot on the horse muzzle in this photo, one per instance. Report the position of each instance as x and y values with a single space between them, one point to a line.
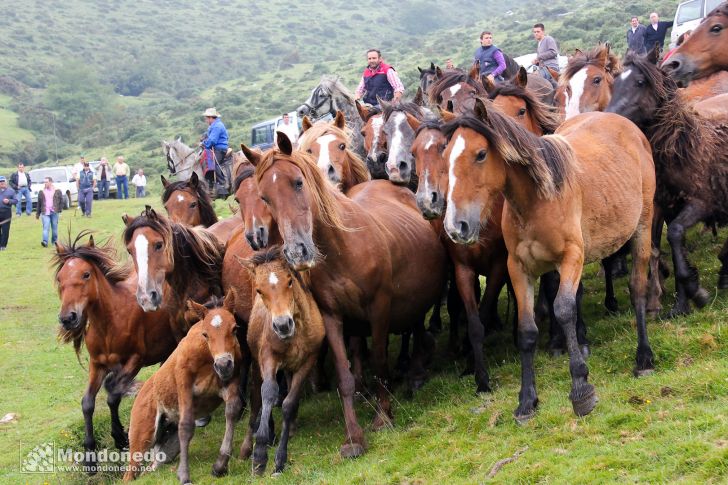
150 301
332 175
70 320
377 167
303 110
462 227
224 366
300 256
682 70
284 327
431 204
400 173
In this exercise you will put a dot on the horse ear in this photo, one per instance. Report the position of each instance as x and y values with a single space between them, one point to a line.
60 249
165 144
447 115
474 71
603 55
419 98
340 120
229 302
481 112
450 106
253 157
363 111
578 52
305 124
91 243
199 311
165 182
127 219
419 69
432 66
194 180
522 78
438 72
487 84
179 139
247 264
284 143
654 54
413 122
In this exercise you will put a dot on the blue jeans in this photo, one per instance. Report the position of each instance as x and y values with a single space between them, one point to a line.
50 221
24 191
140 192
122 182
86 200
103 189
547 75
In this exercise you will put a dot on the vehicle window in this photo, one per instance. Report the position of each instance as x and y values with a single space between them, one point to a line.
711 4
689 11
262 134
58 175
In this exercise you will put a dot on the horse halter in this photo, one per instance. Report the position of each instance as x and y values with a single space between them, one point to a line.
318 99
171 166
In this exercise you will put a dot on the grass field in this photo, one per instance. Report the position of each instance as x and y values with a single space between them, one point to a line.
669 427
10 132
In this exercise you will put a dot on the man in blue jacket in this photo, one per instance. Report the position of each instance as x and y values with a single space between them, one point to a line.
7 199
655 32
215 144
636 36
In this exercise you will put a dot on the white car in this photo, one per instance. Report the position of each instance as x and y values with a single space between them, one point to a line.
62 179
689 15
527 61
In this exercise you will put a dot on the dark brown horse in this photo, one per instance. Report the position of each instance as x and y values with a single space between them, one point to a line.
375 143
428 77
704 52
690 160
572 197
98 308
456 91
188 202
363 269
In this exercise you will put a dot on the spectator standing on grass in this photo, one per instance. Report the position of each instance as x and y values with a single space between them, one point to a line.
140 182
103 174
50 205
7 199
85 184
122 172
20 183
656 31
636 36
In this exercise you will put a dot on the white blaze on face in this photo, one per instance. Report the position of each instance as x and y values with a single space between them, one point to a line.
216 321
272 279
324 158
377 123
457 149
180 198
625 74
275 176
454 89
430 141
396 143
141 247
573 102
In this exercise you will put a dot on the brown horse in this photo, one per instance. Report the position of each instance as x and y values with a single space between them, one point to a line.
706 88
690 161
328 142
200 374
188 202
572 197
97 307
586 83
375 143
285 333
172 258
428 77
456 91
369 278
704 52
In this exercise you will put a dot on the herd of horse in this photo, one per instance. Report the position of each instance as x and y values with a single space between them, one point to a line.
360 230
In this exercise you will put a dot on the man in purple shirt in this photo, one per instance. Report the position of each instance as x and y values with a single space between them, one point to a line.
492 62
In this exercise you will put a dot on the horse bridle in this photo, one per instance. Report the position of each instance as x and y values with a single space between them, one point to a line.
171 164
315 104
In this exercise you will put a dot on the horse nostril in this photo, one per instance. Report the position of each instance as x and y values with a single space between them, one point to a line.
403 167
263 238
433 197
331 171
382 158
154 297
464 228
251 240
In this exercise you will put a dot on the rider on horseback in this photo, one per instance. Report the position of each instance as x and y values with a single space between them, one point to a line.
215 144
379 80
492 62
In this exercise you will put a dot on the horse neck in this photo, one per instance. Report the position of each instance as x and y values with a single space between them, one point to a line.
327 236
685 135
304 308
520 190
102 312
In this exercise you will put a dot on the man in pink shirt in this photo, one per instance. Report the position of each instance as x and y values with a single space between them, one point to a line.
50 205
379 80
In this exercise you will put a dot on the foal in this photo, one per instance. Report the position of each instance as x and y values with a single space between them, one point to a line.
199 375
188 202
285 332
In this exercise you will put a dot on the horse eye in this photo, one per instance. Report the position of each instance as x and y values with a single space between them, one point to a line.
86 275
298 185
522 112
641 83
442 147
342 147
265 200
204 334
309 151
290 283
158 246
716 28
193 205
481 155
258 291
597 80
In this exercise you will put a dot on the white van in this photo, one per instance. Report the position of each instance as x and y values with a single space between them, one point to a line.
62 179
689 15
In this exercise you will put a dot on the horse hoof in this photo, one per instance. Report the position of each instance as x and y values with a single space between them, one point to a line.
723 282
219 471
612 306
583 399
259 469
381 422
523 418
202 422
701 297
643 372
585 352
351 450
678 311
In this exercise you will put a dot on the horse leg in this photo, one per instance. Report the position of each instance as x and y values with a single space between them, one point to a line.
464 278
686 275
247 357
354 443
527 340
403 359
185 427
496 280
549 288
122 380
380 339
246 449
269 396
417 374
610 302
542 308
357 345
233 407
583 396
435 324
723 275
641 256
141 430
88 404
656 288
580 325
290 410
454 309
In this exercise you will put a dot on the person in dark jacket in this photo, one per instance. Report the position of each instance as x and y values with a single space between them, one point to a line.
215 144
379 80
7 199
492 62
636 36
20 182
86 183
49 207
656 31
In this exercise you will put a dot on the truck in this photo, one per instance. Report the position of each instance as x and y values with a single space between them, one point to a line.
263 133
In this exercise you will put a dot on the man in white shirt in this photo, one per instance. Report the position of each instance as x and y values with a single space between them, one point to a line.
140 182
287 127
20 183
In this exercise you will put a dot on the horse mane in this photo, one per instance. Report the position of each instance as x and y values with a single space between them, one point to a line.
549 160
207 212
448 80
356 167
404 107
322 192
246 173
332 83
546 118
195 253
104 257
592 57
274 254
429 124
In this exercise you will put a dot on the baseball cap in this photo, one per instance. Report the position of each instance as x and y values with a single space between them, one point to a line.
3 179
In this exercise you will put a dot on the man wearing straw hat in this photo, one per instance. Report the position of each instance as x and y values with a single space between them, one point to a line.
215 144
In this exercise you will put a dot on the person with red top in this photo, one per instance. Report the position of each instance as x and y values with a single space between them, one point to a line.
379 80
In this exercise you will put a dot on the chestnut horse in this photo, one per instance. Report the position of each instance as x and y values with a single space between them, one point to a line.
375 143
456 91
704 52
97 306
572 197
328 142
200 374
285 333
690 160
363 269
188 202
586 83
